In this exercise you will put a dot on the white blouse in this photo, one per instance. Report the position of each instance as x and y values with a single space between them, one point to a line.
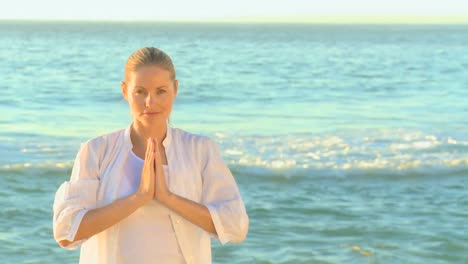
151 221
197 172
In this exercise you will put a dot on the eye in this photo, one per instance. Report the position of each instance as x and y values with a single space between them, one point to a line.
161 91
139 91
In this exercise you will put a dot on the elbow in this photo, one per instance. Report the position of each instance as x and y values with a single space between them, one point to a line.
230 227
241 234
63 240
66 230
61 236
239 238
70 245
64 243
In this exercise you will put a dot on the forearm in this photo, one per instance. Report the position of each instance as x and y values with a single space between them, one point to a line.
196 213
99 219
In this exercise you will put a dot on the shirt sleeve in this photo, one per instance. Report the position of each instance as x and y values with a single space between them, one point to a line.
74 198
222 197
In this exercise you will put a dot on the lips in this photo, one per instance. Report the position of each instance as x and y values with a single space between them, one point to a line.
151 113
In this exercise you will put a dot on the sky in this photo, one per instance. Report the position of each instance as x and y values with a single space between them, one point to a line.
239 10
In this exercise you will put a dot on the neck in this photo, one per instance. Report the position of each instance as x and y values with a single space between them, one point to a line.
141 132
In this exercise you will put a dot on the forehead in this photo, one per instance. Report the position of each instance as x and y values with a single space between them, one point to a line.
151 74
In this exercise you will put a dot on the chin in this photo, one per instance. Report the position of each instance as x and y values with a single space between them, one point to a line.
152 120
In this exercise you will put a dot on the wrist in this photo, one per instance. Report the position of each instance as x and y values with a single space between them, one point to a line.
165 197
138 200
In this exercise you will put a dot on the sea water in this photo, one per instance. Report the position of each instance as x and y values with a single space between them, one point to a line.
349 143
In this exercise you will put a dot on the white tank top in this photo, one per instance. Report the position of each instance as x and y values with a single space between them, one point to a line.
147 235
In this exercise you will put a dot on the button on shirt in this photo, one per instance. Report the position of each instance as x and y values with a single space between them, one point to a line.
197 172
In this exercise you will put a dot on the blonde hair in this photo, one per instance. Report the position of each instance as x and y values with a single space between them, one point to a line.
148 56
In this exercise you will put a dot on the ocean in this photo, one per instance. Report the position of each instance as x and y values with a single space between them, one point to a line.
349 143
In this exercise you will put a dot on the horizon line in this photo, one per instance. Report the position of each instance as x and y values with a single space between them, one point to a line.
273 20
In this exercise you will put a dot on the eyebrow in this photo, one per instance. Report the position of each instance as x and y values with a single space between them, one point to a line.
163 86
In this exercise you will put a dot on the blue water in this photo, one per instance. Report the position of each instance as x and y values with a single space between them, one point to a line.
349 143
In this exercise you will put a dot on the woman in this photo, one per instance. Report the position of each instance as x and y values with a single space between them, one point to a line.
149 193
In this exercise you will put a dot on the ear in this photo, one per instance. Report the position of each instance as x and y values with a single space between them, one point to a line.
124 90
176 87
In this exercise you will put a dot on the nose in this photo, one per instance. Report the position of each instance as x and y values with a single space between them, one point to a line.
150 100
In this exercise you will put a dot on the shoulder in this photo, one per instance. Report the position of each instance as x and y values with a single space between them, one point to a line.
198 141
189 137
101 142
200 147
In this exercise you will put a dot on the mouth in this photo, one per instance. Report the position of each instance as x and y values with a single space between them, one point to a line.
151 113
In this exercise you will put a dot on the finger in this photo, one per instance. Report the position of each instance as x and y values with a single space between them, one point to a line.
154 157
148 147
153 151
151 161
159 160
150 157
148 162
152 147
157 149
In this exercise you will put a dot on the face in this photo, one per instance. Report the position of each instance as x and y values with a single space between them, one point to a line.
150 93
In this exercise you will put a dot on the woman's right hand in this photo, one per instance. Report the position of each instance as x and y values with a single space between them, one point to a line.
98 219
145 191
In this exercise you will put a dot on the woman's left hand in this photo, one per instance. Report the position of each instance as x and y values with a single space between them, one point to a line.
194 212
161 191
